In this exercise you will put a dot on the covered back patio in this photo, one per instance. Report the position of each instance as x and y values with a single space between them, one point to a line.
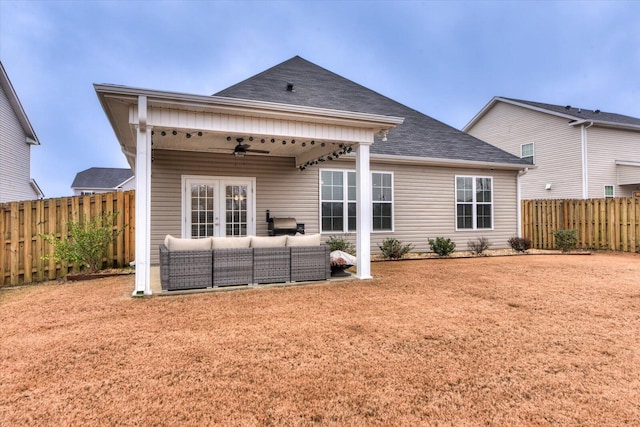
234 159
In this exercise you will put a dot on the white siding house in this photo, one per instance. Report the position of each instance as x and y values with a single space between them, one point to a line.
16 139
103 180
579 153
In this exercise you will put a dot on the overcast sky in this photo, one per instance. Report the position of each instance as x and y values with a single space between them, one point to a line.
445 59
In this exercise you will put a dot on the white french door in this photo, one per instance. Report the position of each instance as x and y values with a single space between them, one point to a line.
217 206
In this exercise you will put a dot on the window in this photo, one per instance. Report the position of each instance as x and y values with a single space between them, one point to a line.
338 201
382 200
474 203
526 152
609 191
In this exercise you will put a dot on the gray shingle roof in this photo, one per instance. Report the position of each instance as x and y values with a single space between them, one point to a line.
101 178
583 113
314 86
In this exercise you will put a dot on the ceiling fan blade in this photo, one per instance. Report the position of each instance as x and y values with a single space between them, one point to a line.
257 151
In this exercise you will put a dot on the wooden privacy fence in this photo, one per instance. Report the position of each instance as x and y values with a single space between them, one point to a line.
612 224
22 223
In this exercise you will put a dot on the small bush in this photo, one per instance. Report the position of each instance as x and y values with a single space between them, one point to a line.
340 243
394 248
520 244
478 246
87 243
442 246
566 239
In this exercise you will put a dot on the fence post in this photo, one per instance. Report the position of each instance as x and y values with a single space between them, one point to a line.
3 244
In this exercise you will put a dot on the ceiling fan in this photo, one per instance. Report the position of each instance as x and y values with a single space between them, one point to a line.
241 149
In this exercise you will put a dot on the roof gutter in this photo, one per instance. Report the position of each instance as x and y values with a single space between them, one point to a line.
433 161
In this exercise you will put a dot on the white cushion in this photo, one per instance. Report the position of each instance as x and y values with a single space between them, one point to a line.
268 242
231 242
304 240
177 244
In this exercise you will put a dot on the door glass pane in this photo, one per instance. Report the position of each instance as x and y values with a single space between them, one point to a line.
236 215
202 214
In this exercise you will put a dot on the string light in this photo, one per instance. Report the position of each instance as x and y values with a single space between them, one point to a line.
343 149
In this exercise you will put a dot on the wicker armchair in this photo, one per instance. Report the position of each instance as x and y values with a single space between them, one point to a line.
185 269
271 265
232 267
310 263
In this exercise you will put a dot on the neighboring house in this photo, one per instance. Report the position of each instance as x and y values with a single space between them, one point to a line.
579 153
103 180
303 142
16 138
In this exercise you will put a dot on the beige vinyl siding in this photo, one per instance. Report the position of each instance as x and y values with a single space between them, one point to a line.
628 176
605 146
280 187
557 148
15 178
425 206
424 199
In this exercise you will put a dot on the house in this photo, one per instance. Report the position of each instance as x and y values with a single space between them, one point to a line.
16 139
103 180
579 153
300 141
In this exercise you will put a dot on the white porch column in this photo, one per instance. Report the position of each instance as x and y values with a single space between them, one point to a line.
143 201
363 211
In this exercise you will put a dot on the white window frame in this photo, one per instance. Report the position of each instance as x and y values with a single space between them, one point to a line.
613 191
221 182
345 200
533 151
474 203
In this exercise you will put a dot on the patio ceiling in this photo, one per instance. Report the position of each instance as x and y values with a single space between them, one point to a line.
274 145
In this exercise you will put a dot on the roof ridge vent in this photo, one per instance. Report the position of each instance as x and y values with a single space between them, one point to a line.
596 112
568 107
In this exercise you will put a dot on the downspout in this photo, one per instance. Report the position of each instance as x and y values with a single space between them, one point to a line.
585 161
521 173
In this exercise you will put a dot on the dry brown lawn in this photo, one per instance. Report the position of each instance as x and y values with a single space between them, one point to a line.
530 340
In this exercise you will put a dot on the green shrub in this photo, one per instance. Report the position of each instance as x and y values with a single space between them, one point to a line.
520 244
566 239
478 246
87 243
394 248
442 246
340 243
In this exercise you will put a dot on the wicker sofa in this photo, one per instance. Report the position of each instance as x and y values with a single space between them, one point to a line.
216 262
